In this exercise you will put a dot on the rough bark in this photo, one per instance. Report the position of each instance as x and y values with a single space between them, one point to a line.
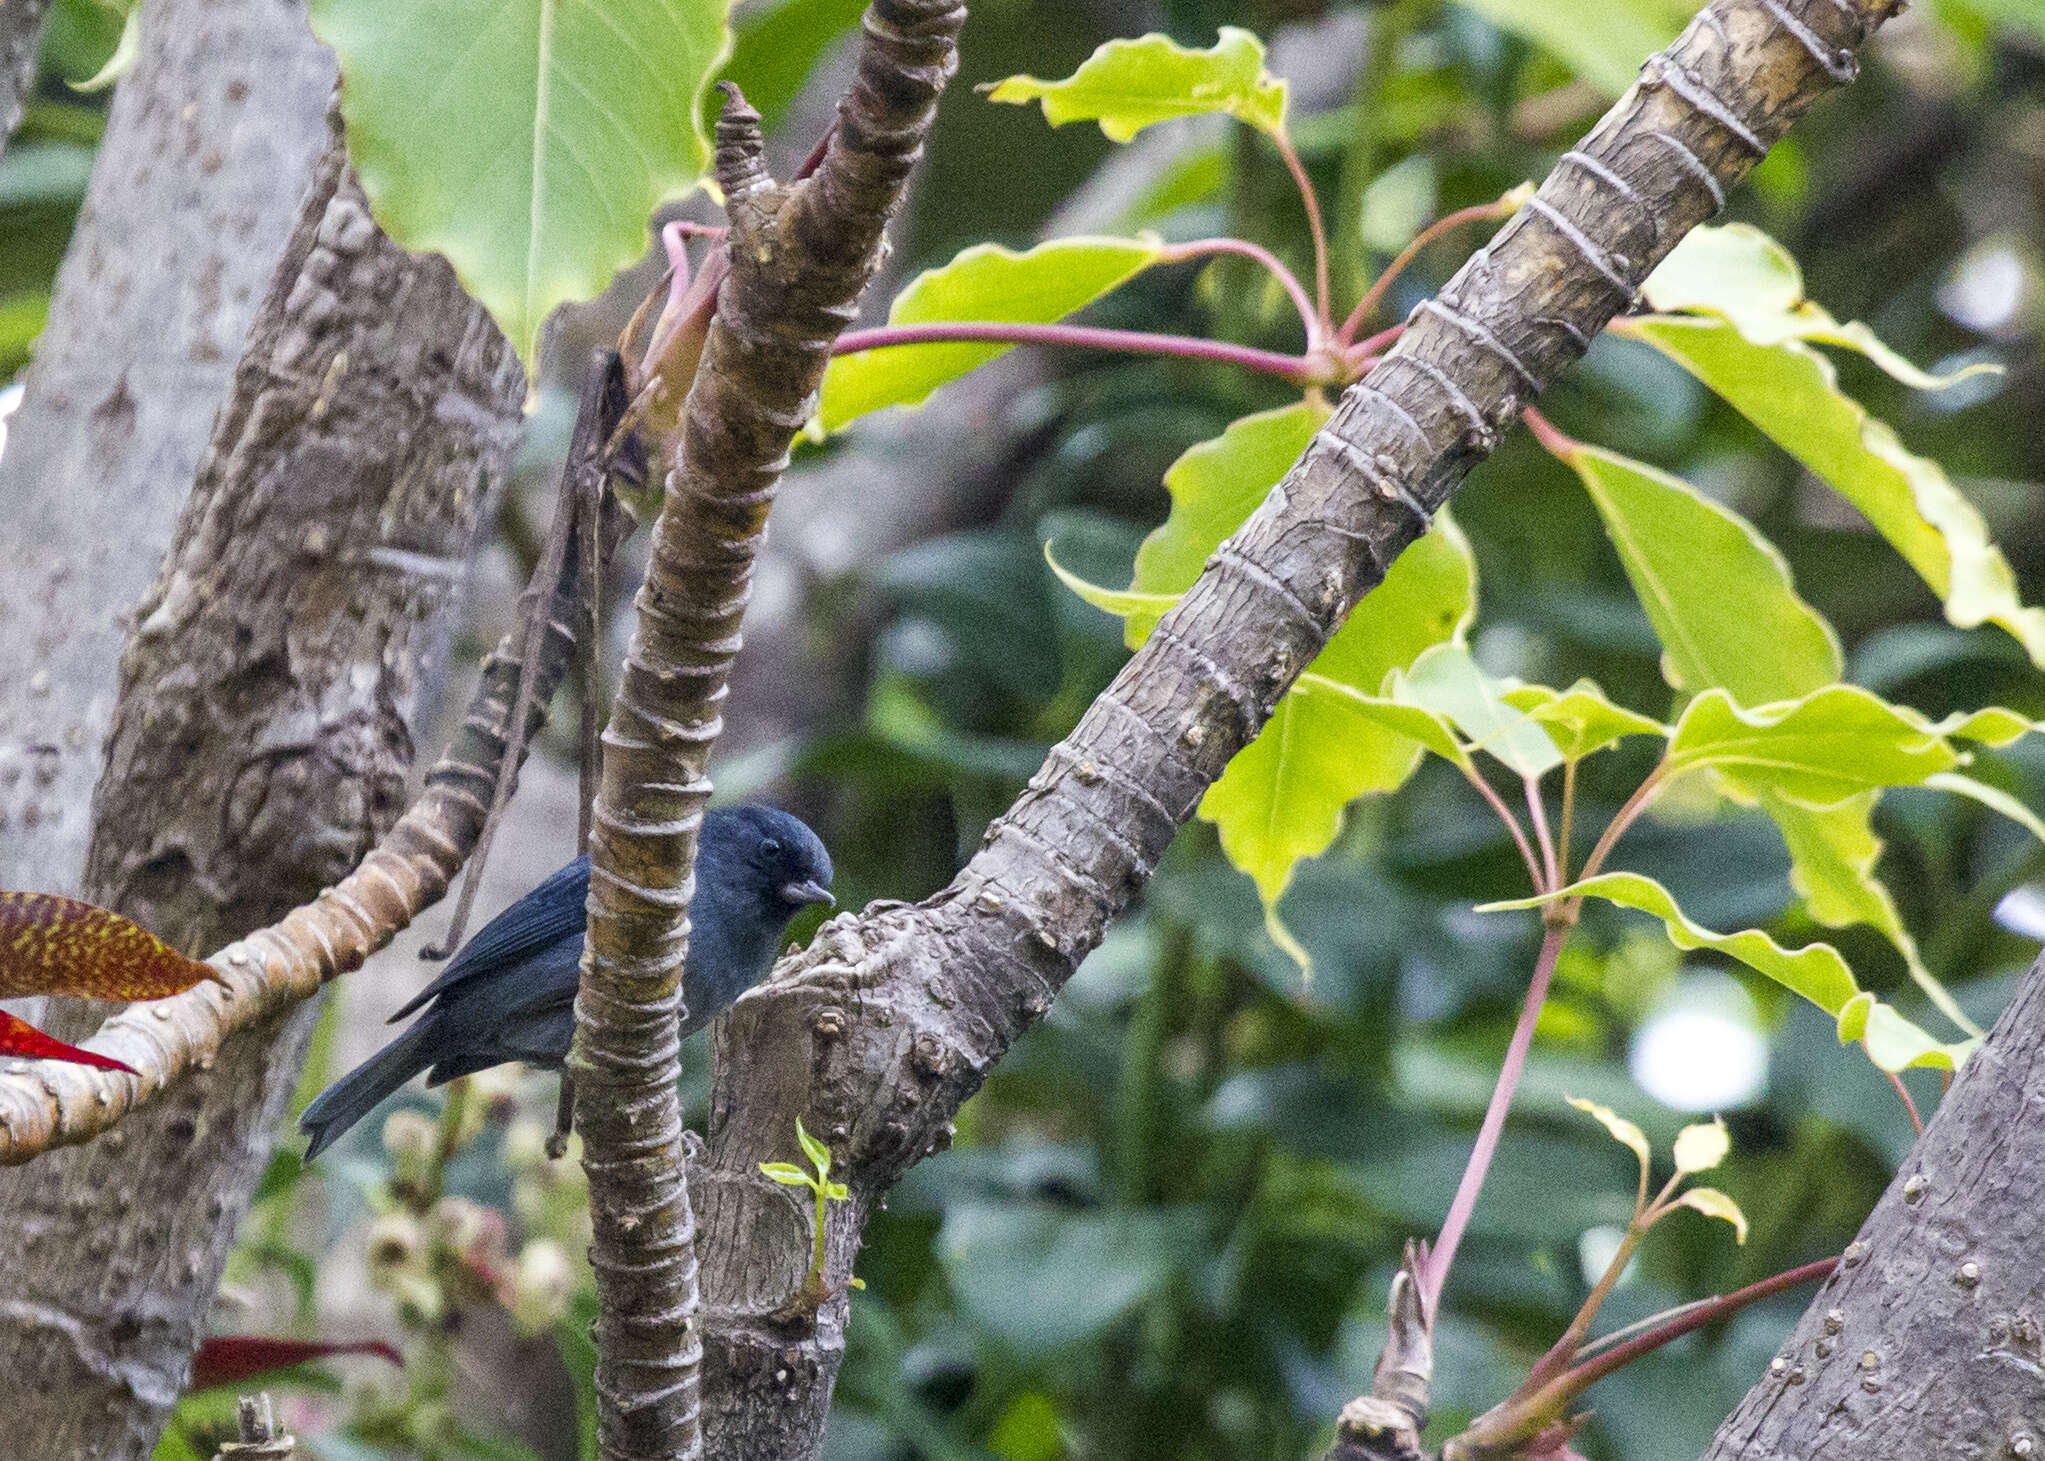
208 147
877 1033
800 255
21 37
260 746
1930 1338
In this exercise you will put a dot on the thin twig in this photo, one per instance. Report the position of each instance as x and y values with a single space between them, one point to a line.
1315 227
1446 224
1299 370
1287 280
1436 1271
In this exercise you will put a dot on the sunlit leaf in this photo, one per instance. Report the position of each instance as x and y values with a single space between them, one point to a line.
1894 1043
1128 85
1446 680
1994 726
1742 275
984 283
1817 972
1603 41
787 1174
1833 852
527 140
1792 393
818 1154
1714 1203
1701 1147
1718 593
1623 1131
1581 720
1835 743
55 945
19 1038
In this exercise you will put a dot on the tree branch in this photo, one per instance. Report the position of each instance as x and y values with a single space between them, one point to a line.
1945 1269
799 255
21 36
879 1031
47 1104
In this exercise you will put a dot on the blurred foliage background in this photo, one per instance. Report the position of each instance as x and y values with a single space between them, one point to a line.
1168 1223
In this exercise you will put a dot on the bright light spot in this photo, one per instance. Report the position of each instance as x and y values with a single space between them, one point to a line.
2022 911
1986 288
1702 1051
10 397
1595 1250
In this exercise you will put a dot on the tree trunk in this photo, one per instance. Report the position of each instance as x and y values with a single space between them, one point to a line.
21 37
1930 1338
205 156
260 747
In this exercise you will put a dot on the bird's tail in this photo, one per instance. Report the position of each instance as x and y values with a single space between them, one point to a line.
363 1089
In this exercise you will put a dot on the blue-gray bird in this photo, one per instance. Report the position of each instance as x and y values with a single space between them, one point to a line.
509 994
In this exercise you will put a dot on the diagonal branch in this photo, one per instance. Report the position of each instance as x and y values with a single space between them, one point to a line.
799 256
885 1025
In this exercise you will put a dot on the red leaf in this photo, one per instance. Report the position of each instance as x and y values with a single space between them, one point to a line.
228 1359
19 1037
54 945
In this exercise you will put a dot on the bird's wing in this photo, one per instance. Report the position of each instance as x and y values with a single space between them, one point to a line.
548 914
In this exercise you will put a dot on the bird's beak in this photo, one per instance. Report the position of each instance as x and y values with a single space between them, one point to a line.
807 891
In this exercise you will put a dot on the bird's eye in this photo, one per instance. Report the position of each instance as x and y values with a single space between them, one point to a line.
770 848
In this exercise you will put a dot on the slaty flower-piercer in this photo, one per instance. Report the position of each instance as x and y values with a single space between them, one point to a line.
509 994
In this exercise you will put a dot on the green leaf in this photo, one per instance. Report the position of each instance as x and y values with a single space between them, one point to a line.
1894 1043
1994 726
1603 41
1816 971
1128 85
1429 729
1701 1147
527 140
1446 680
1718 593
1623 1131
1833 852
1832 744
1581 720
1745 277
816 1151
787 1174
1792 394
984 283
1714 1203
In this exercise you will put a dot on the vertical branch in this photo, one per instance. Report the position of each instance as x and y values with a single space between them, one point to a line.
21 35
799 256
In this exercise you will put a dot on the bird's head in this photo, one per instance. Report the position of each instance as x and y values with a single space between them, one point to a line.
771 856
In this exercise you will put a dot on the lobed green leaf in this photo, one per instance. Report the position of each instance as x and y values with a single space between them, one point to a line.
1793 395
1128 85
1817 972
1580 720
985 283
1831 745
